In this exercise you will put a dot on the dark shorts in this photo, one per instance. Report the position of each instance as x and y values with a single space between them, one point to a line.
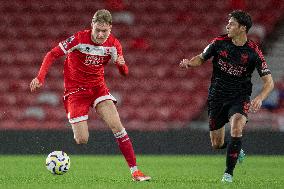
220 112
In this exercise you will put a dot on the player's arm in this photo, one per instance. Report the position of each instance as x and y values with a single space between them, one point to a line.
121 66
207 53
268 86
120 62
49 58
193 62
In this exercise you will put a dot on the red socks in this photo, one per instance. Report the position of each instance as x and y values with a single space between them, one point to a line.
125 146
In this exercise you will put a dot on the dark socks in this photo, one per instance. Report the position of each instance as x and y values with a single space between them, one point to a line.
233 151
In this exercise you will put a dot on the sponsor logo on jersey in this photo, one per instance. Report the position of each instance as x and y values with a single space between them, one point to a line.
68 41
231 69
96 60
264 65
264 68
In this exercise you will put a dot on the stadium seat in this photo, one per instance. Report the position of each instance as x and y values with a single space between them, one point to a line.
156 95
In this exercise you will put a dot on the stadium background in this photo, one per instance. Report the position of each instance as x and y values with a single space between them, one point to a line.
162 107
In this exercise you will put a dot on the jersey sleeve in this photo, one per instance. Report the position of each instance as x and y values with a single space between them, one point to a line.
48 60
117 51
123 69
209 51
68 44
118 47
261 64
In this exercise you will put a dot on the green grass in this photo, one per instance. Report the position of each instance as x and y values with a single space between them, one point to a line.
167 172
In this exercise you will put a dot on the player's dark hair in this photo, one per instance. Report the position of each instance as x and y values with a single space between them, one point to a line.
242 18
102 16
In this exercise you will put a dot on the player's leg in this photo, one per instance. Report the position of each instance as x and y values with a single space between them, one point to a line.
237 122
108 112
81 133
217 138
238 117
218 117
77 105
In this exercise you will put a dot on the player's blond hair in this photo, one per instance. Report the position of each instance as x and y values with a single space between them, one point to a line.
102 16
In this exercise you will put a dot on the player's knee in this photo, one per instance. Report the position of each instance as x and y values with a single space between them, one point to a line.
115 126
237 125
81 140
214 146
236 131
217 144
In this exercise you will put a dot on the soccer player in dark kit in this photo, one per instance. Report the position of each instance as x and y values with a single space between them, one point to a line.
235 57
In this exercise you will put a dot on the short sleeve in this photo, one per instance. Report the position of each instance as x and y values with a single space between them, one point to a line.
209 51
69 43
261 64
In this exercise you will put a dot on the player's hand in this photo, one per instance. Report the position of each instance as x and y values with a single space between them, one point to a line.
184 63
256 104
120 60
35 84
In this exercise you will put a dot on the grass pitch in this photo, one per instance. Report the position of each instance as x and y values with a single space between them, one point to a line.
107 172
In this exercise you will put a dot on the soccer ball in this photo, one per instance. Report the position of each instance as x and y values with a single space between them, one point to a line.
58 162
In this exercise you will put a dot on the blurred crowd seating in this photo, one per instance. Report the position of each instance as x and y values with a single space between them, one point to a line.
155 36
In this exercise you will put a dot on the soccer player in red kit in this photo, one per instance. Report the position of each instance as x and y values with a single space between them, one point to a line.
88 52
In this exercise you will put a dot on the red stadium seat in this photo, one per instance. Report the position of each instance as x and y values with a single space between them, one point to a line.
156 95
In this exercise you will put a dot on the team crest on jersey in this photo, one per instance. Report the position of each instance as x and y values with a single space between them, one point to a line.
224 53
244 58
107 51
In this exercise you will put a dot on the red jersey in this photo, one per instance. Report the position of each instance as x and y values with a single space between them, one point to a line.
84 65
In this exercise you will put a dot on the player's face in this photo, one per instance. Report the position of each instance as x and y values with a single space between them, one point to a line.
234 28
100 32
